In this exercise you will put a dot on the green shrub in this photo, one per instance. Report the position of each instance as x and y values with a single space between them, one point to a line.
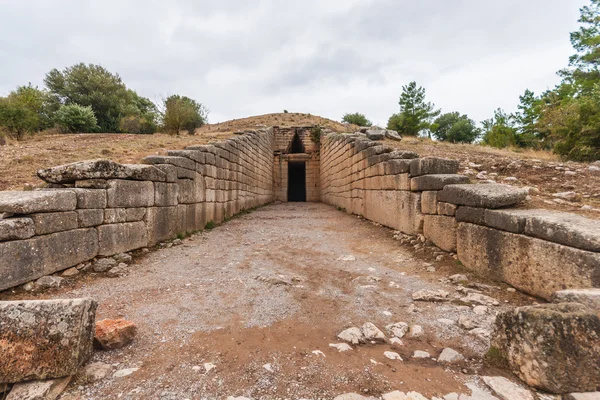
315 135
210 225
75 118
183 113
356 119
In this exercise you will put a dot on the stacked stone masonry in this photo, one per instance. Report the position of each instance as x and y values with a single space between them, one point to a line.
100 208
536 251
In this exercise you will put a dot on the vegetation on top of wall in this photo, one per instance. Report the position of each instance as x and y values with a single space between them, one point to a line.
356 119
315 134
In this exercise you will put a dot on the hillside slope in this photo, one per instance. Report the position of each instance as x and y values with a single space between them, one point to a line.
541 170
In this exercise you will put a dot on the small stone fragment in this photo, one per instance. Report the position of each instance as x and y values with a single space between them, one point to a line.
95 372
467 322
70 272
416 331
353 335
123 258
347 258
396 341
114 334
506 389
371 332
39 390
481 299
341 347
104 264
480 310
450 356
120 270
430 295
421 354
124 372
49 282
399 329
392 355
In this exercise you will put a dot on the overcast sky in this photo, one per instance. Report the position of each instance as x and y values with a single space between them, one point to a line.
325 57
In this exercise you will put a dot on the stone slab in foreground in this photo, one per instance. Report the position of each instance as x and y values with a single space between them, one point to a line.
45 339
38 201
588 297
100 169
552 347
492 195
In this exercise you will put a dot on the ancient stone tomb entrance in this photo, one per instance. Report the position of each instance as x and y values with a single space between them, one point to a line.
296 168
296 181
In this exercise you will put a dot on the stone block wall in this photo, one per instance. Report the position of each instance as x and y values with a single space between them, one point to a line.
100 208
537 251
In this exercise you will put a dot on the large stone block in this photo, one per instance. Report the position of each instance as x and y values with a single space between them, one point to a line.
410 218
90 198
441 230
16 228
472 215
568 229
432 166
587 297
37 201
89 218
552 347
121 238
491 195
532 265
162 224
25 260
100 169
180 162
435 182
429 202
508 220
166 194
45 339
130 194
54 222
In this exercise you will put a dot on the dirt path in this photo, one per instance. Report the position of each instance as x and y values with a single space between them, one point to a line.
259 295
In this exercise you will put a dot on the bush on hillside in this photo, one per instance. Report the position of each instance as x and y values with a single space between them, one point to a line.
75 118
183 113
134 124
356 119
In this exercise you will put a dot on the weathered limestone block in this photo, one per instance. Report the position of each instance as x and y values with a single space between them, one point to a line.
121 238
165 194
180 162
191 191
100 169
435 182
90 198
472 215
54 222
114 334
191 217
491 195
429 202
90 218
37 201
195 155
397 166
532 265
161 224
508 220
587 297
22 261
410 218
552 347
48 389
375 134
96 184
115 215
404 154
169 170
45 339
432 166
16 228
130 194
568 229
441 230
135 214
446 209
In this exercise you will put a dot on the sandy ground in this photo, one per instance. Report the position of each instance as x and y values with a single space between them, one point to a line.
269 288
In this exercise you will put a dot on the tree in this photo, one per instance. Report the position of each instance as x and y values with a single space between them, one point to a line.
73 118
183 113
500 130
26 110
94 86
455 128
356 119
415 113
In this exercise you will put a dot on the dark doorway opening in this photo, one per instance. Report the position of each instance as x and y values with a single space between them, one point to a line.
296 181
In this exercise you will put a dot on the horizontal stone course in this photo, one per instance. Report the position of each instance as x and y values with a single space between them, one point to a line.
130 194
100 169
483 195
435 182
46 223
37 201
433 166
